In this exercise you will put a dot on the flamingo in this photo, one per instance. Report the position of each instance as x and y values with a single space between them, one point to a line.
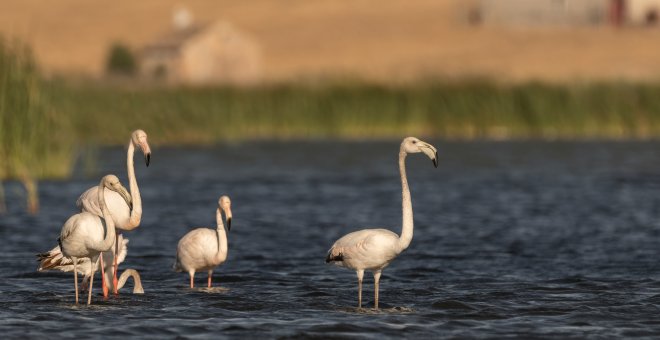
374 249
53 260
126 212
204 248
82 235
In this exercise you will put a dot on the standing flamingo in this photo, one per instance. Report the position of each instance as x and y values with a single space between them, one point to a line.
126 213
53 260
203 248
82 235
374 249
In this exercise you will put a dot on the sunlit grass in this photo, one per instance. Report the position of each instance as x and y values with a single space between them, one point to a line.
456 110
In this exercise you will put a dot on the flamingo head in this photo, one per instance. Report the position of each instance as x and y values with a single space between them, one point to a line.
415 145
112 182
224 203
139 139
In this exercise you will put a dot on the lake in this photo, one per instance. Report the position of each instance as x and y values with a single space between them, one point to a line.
512 239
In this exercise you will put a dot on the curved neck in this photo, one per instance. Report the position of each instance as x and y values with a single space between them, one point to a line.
136 212
137 282
406 205
221 255
109 239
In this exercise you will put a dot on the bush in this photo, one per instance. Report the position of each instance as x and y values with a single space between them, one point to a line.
121 61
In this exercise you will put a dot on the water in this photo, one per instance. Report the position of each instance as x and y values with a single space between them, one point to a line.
512 239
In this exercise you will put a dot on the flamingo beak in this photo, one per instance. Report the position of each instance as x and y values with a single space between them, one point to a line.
146 150
430 151
125 195
228 217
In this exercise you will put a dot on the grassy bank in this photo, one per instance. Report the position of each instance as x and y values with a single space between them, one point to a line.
467 110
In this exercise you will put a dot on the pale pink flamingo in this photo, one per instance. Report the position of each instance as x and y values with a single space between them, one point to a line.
126 213
203 249
82 235
374 249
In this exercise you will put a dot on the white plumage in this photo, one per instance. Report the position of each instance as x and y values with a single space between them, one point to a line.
84 235
374 249
54 260
126 210
203 249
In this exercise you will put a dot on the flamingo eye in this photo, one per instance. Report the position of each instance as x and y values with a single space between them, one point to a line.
414 142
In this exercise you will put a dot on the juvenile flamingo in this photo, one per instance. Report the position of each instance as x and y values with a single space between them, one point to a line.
374 249
203 248
126 211
82 235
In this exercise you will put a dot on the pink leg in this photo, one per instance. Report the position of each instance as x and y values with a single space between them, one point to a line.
210 274
103 283
192 284
115 282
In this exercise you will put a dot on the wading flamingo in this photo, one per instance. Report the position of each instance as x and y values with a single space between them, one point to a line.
126 213
53 260
203 248
374 249
82 235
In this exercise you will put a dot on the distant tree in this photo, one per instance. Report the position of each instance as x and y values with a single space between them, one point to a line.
121 60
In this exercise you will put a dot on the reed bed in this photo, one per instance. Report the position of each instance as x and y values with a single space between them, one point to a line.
35 142
452 110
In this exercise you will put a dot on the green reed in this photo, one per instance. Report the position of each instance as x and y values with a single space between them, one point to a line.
454 110
35 142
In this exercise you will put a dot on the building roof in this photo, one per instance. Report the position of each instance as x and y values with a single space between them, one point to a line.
173 40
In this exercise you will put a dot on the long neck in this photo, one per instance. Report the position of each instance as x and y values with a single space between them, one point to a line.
221 255
136 213
137 283
109 239
406 205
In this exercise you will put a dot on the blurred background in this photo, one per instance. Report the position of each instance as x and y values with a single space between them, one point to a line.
77 74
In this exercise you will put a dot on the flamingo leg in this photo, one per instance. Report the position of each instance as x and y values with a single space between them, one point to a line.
92 267
75 275
376 283
360 275
210 274
104 284
192 276
115 281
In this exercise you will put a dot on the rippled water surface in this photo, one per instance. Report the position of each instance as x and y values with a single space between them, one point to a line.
511 239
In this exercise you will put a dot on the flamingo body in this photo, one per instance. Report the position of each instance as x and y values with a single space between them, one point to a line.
80 233
203 249
54 260
371 249
198 251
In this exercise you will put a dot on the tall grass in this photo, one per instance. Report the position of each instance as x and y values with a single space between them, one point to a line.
34 141
459 110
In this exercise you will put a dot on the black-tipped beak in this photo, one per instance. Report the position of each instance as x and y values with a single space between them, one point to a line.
147 158
435 160
229 224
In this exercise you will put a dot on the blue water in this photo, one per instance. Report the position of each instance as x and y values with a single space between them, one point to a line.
512 239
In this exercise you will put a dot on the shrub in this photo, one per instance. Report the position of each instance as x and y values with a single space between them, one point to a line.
121 61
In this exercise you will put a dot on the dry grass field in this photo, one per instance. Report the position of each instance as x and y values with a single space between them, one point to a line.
382 41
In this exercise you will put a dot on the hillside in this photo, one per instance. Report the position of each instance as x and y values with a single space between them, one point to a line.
384 41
